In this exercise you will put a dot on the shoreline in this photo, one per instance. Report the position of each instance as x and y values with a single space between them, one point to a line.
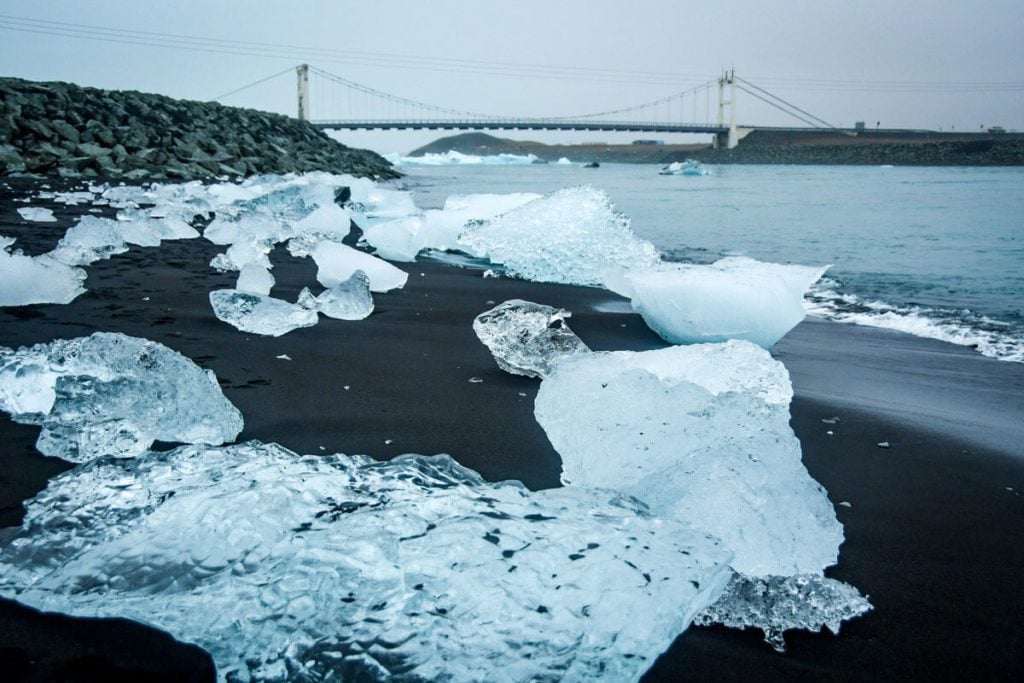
933 536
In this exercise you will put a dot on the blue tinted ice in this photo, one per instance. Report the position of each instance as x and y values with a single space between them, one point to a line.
526 338
259 314
342 568
110 394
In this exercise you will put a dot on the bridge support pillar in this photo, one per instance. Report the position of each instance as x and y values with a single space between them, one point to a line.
731 139
302 71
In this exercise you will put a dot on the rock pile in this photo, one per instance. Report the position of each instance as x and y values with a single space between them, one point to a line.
66 130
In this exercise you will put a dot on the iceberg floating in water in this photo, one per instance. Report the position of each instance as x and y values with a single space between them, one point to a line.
701 435
110 394
776 604
348 300
403 238
41 279
733 298
260 314
571 236
342 568
688 167
37 214
526 338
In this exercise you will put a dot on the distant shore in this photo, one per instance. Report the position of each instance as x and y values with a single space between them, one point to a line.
933 522
769 147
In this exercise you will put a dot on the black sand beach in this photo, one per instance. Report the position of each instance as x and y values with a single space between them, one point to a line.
934 527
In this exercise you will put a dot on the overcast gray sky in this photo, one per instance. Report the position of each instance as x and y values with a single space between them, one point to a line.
907 63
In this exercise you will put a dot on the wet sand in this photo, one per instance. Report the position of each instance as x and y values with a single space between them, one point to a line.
935 526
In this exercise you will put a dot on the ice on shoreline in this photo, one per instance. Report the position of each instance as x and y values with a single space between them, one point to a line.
733 298
37 214
292 567
26 280
526 338
571 236
110 394
259 314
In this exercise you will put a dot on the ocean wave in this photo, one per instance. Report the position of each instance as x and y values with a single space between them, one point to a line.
992 338
452 158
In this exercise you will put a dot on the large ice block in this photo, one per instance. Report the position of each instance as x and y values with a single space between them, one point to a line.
733 298
259 314
289 567
41 279
571 236
110 394
701 434
336 262
527 338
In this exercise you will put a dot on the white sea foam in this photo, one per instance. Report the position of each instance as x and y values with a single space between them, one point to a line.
989 337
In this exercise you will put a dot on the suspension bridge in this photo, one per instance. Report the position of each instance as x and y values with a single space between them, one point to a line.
329 101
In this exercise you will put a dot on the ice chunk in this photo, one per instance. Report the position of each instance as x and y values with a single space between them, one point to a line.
734 298
776 604
571 236
342 568
402 239
526 338
688 167
42 279
348 300
91 239
110 394
337 262
255 278
37 214
701 434
259 314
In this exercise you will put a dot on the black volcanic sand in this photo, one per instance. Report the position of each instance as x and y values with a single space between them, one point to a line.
935 527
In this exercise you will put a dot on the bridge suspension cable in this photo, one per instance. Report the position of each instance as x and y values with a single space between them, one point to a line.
782 105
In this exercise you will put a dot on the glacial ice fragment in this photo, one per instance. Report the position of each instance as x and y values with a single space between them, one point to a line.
337 262
342 568
259 314
41 279
733 298
700 434
348 300
571 236
37 214
402 239
527 338
255 278
110 394
776 604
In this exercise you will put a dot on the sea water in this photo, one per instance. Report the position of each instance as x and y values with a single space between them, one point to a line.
932 251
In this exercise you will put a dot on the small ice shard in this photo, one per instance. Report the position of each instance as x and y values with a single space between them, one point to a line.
701 435
337 262
37 214
830 420
476 380
527 338
571 236
403 238
259 314
846 504
733 298
329 567
883 444
110 394
776 604
41 279
283 356
348 300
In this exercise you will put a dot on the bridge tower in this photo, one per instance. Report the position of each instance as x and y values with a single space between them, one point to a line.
727 79
302 71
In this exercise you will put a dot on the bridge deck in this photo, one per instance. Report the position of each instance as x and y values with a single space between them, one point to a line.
522 124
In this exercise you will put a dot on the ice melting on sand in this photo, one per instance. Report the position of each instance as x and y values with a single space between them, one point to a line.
42 279
776 604
337 262
37 214
733 298
700 434
402 239
314 568
571 236
110 394
348 300
260 314
526 338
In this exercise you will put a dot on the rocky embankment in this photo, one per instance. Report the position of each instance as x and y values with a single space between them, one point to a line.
65 130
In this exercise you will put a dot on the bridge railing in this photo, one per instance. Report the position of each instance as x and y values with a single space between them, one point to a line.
520 123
